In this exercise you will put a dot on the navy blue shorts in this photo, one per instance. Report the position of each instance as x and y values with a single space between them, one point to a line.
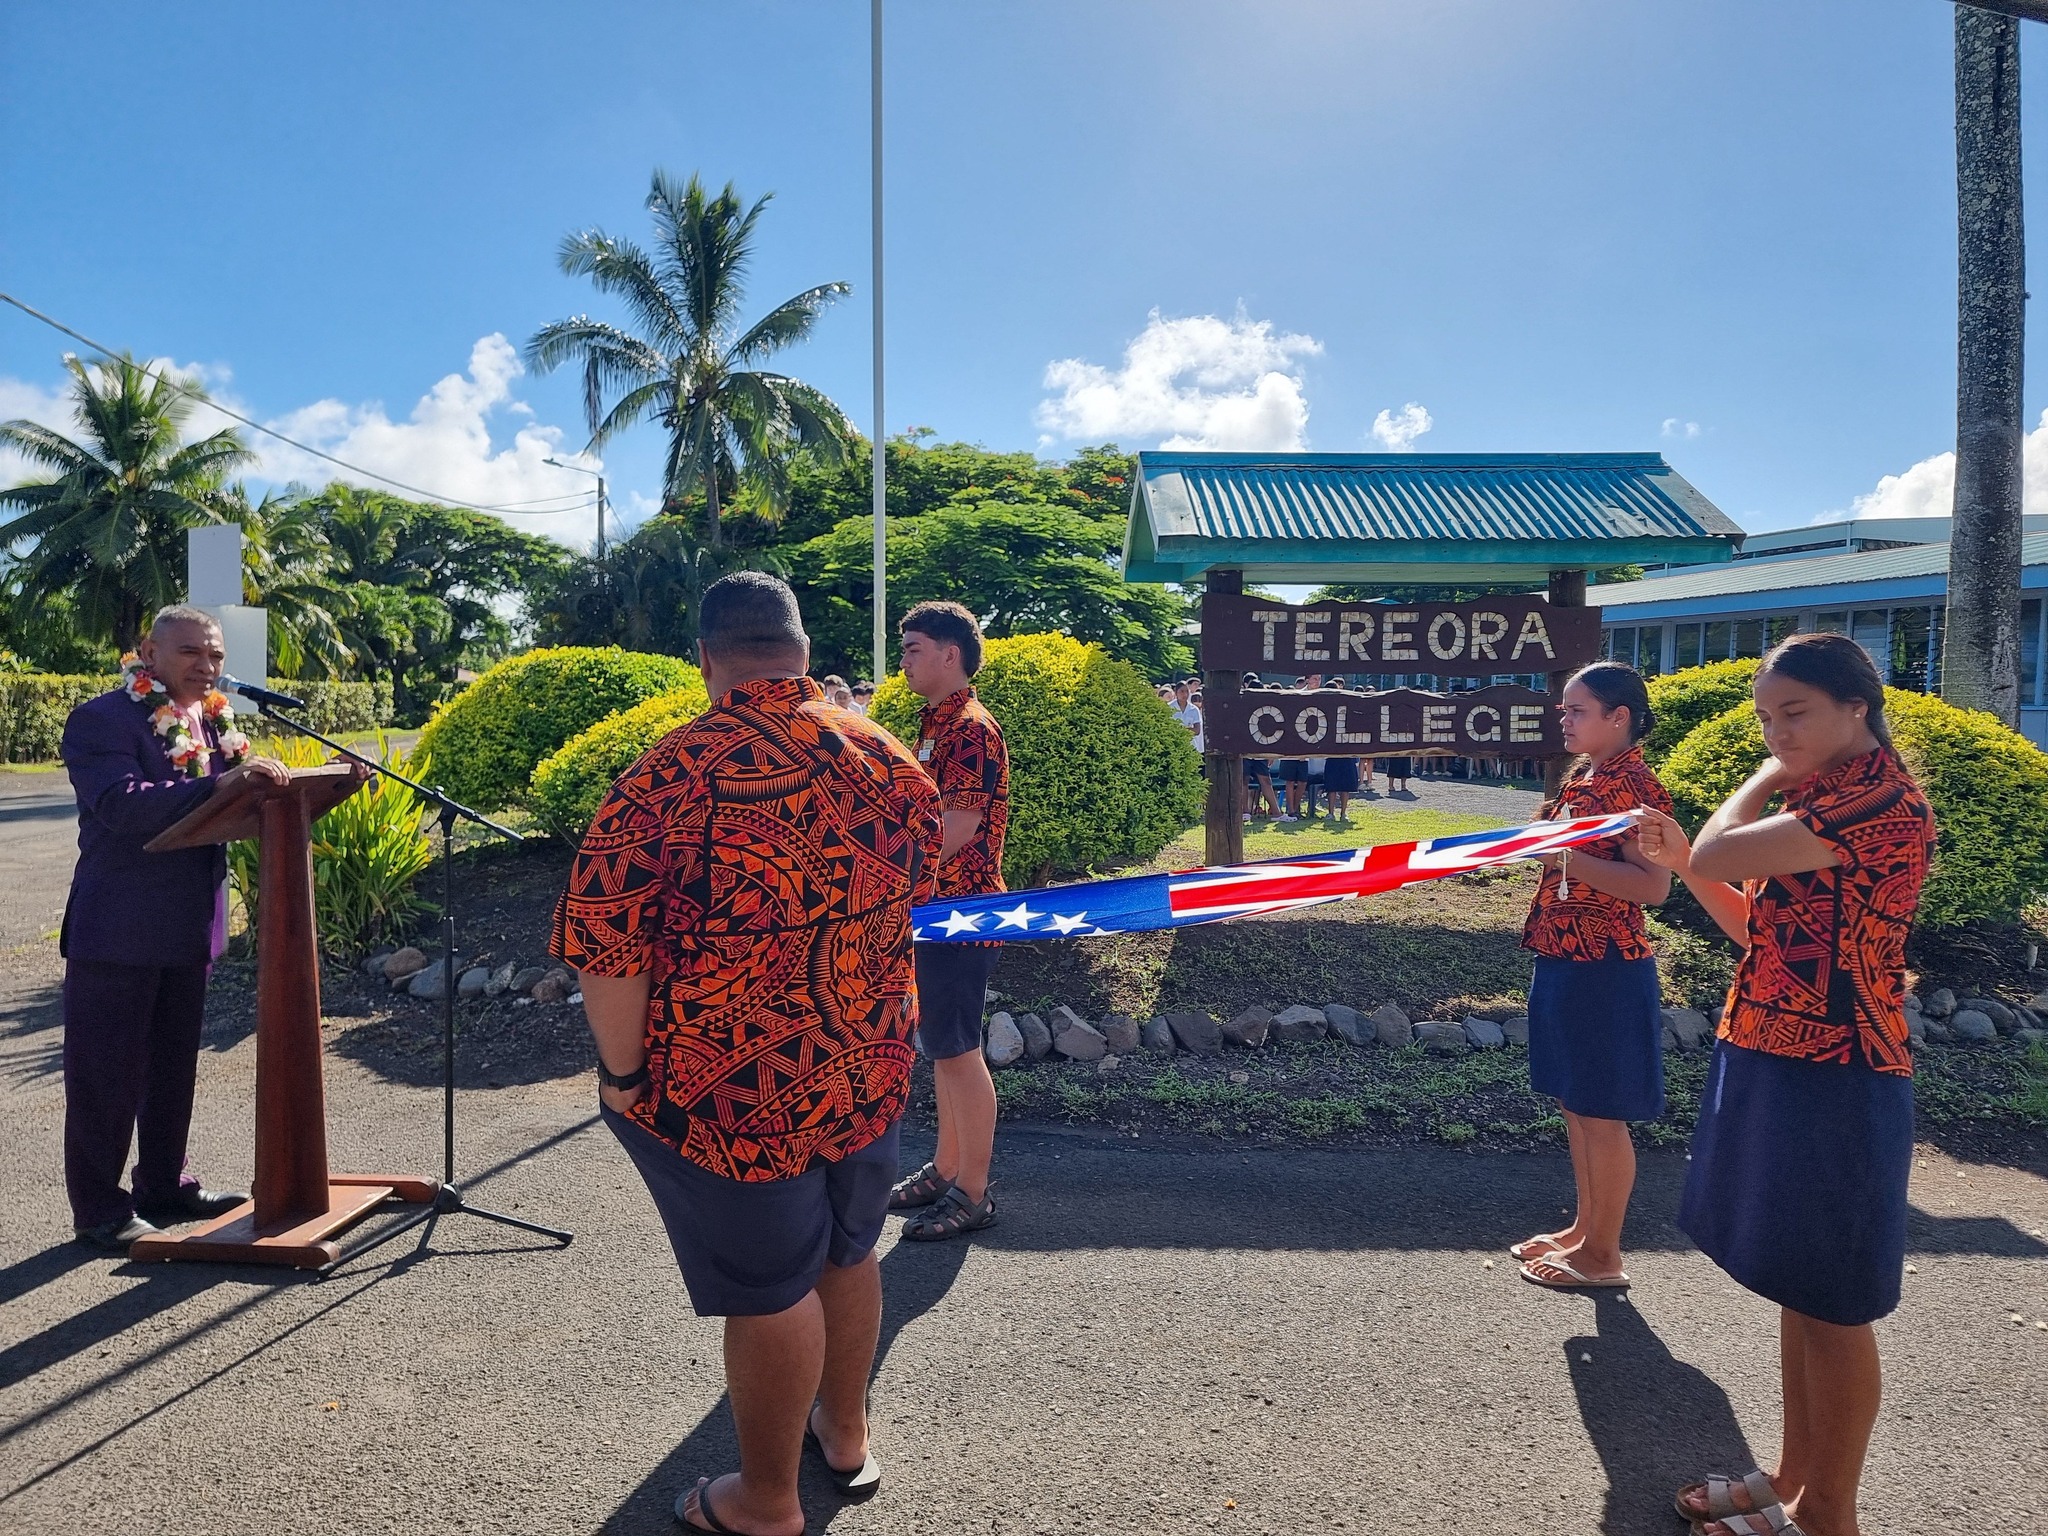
952 991
1797 1184
1596 1037
752 1250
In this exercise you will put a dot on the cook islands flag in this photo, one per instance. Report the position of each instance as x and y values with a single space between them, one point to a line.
1180 900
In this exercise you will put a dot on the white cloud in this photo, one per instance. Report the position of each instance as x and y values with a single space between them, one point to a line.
1674 427
1195 382
22 401
444 446
1396 431
1928 488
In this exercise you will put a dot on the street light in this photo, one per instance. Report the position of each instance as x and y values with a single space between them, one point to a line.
599 478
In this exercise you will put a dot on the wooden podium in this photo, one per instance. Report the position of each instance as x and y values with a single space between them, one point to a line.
299 1207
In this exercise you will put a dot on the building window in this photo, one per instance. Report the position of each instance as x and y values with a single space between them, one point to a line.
1720 637
1749 637
1780 628
1688 647
1912 649
1831 623
2030 652
1870 630
1650 649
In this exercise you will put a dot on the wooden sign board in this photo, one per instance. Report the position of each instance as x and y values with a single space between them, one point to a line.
1502 721
1471 639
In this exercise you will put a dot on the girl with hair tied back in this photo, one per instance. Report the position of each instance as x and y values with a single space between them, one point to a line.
1596 1030
1797 1184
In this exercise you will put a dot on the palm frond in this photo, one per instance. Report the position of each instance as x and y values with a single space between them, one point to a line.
621 267
788 323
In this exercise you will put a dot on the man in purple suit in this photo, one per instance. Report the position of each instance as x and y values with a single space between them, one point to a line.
142 930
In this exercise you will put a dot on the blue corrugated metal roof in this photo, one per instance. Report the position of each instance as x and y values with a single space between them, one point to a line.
1918 570
1413 517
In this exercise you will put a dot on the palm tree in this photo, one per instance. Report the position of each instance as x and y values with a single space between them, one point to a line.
291 570
1980 656
732 428
109 528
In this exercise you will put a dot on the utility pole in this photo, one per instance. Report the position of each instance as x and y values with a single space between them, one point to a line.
1980 645
881 454
599 478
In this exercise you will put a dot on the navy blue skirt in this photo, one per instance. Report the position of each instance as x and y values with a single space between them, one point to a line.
1798 1181
1596 1037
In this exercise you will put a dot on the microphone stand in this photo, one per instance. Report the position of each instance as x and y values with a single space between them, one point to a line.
448 1197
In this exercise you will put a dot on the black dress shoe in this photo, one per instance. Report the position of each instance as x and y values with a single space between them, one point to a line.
191 1203
115 1236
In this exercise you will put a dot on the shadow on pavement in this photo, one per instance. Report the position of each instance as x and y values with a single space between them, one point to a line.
914 1278
39 1269
1656 1422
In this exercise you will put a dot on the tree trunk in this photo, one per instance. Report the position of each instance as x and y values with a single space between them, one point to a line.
711 529
1980 649
128 625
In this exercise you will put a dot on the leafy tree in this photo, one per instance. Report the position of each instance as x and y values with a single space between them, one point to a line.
108 528
428 588
40 632
645 592
733 428
1024 566
289 570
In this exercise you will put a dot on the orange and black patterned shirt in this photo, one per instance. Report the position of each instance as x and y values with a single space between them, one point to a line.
1824 976
762 861
1590 924
961 747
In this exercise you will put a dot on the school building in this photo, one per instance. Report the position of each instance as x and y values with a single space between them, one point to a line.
1882 581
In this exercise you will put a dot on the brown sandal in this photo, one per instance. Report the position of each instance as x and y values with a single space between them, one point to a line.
925 1187
953 1216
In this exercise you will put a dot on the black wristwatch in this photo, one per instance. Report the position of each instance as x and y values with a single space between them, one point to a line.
634 1079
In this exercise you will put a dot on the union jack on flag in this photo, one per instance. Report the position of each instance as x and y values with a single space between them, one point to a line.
1186 897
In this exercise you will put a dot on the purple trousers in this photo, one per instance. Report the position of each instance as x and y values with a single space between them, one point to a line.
131 1055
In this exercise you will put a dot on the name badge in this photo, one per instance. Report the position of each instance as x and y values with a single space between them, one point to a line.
924 751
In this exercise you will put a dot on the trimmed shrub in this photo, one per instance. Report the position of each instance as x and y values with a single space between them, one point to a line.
331 707
1679 701
1988 786
33 708
368 855
1099 768
488 739
571 782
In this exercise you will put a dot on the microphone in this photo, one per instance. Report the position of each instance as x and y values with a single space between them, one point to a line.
261 697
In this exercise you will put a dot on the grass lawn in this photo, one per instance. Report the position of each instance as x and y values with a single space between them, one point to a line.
1368 827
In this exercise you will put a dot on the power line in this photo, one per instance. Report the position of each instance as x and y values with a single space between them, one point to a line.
510 508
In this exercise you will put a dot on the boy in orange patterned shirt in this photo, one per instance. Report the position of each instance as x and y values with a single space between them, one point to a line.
961 747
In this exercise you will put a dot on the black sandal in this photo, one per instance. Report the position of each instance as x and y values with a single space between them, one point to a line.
924 1187
863 1482
953 1216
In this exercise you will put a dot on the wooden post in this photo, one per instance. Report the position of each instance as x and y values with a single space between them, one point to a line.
1223 818
1567 590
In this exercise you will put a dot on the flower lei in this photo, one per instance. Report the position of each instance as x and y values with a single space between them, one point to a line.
187 755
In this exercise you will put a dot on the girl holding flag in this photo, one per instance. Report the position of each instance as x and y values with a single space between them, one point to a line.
1797 1184
1595 1026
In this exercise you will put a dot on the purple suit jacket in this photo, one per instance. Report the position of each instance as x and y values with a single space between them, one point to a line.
127 906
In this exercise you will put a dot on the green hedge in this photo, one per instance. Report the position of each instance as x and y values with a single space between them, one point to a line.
1988 786
33 707
571 782
1683 700
330 707
1099 768
487 740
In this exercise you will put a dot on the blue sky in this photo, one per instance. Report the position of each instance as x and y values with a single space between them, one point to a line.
1724 232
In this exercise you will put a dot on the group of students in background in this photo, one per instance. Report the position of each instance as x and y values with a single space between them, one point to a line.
1288 788
1796 1185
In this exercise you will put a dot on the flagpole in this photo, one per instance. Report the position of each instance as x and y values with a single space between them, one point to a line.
881 454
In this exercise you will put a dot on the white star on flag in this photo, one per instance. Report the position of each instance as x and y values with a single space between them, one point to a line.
959 923
1018 916
1069 924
